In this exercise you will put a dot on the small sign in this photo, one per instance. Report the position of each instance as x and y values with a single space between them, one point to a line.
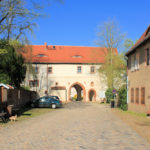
3 51
114 91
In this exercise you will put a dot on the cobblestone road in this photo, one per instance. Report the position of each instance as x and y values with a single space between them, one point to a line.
78 126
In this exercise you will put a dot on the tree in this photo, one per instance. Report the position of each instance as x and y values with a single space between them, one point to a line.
122 93
128 43
114 69
17 17
109 35
111 38
12 65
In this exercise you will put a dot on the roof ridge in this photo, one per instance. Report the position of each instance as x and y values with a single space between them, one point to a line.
68 46
140 40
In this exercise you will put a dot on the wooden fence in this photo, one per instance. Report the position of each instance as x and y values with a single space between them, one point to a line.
16 97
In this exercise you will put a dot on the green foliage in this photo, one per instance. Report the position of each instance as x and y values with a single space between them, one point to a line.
25 88
3 51
128 43
113 69
110 37
122 98
12 65
4 78
109 94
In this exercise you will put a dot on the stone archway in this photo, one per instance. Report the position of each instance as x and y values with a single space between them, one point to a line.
80 90
92 95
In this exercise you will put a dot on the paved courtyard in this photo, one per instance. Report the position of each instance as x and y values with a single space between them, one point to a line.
77 126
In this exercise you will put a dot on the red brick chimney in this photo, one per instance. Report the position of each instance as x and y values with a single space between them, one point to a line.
45 46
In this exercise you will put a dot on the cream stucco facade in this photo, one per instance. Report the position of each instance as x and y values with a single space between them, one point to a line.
63 77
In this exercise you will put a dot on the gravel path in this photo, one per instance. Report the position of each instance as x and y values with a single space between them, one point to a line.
78 126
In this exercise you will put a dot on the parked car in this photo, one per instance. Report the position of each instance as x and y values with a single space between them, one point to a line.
56 97
47 101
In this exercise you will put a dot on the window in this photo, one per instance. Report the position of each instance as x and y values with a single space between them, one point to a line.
92 69
143 95
92 83
147 57
79 69
137 95
43 99
135 62
132 95
36 69
76 56
132 62
33 83
49 69
41 55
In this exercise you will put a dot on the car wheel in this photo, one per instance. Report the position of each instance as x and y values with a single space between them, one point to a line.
32 105
53 106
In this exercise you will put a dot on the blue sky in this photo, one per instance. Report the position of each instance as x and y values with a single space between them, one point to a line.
76 21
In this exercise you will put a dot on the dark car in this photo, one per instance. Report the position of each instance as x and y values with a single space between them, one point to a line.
47 101
56 97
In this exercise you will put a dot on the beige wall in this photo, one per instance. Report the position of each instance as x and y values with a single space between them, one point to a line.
139 78
66 75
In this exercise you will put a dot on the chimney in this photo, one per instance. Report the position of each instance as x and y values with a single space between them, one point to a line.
45 46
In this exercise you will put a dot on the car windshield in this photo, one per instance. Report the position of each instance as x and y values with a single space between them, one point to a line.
55 97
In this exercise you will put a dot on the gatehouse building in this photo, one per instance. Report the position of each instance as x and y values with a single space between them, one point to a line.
70 72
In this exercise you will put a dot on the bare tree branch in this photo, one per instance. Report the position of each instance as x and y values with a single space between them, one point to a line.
3 18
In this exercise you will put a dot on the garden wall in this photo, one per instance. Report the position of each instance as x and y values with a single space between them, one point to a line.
19 98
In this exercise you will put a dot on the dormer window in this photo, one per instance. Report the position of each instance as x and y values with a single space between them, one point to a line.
41 55
76 56
52 47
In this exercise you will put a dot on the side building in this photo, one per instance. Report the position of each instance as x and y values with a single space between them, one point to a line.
139 74
66 71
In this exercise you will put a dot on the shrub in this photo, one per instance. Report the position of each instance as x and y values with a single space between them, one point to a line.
109 94
74 97
122 98
25 88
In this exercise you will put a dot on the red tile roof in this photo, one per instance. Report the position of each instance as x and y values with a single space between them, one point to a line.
65 54
145 36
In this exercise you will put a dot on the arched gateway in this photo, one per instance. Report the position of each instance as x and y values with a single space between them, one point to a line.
92 95
80 92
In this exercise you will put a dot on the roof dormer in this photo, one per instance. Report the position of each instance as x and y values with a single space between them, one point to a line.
41 55
76 56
